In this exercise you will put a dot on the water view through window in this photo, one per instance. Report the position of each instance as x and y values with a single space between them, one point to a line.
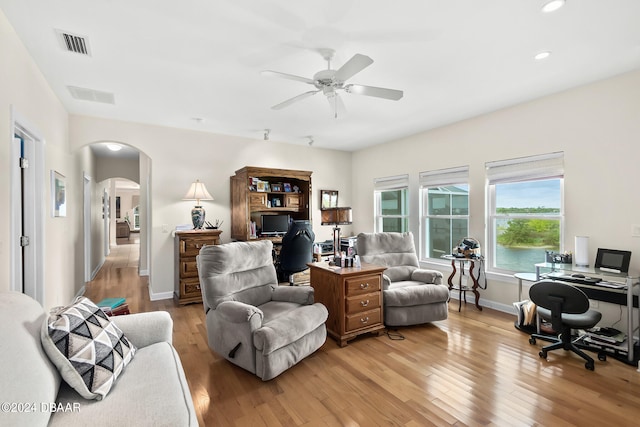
527 220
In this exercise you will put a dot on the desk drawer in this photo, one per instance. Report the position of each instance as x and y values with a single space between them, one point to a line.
362 285
363 303
363 320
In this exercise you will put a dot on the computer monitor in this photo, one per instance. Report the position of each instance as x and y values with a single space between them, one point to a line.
274 224
612 259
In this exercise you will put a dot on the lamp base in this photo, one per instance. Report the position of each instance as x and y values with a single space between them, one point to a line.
197 217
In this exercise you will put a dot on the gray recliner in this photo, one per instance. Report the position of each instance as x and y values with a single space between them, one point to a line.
251 321
411 295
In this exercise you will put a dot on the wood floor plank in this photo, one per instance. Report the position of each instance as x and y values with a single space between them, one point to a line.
473 369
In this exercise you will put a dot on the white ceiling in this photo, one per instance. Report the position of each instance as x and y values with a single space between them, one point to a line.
168 62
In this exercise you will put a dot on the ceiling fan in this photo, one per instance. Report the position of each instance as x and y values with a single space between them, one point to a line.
329 82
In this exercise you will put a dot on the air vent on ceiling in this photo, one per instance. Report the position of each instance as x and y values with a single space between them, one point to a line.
74 43
85 94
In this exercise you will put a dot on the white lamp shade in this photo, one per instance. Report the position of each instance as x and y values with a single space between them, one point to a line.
197 192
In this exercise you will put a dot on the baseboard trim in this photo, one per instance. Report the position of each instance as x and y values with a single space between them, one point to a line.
81 292
470 299
143 272
160 295
95 271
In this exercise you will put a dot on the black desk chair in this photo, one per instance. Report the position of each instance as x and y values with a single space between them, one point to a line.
296 250
566 307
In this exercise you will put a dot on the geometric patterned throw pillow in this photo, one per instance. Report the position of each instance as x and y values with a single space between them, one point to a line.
89 351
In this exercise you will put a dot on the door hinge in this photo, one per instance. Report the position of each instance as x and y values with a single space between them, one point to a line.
24 163
24 241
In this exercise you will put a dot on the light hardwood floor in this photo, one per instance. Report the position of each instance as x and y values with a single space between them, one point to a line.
472 369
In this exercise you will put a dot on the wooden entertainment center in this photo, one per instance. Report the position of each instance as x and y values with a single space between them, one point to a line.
257 191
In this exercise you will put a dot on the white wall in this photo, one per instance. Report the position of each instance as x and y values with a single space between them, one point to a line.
179 157
23 87
598 128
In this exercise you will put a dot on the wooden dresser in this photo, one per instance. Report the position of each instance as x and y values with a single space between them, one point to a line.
187 247
353 297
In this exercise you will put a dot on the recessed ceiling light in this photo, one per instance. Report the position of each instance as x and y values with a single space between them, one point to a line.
552 6
542 55
114 147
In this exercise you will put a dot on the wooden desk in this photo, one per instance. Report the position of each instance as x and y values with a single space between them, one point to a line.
460 287
353 297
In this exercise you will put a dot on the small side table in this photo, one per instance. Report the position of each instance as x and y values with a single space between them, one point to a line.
353 297
460 287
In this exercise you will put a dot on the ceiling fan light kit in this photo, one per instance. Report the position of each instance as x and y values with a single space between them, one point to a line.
331 81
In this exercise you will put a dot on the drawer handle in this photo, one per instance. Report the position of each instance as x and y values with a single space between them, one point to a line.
364 320
198 245
364 303
198 287
364 285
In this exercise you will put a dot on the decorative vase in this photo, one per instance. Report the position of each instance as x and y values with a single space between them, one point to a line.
197 217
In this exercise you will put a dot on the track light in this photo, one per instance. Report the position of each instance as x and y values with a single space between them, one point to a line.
266 134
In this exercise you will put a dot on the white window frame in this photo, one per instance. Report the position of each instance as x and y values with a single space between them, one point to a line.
390 183
532 168
434 179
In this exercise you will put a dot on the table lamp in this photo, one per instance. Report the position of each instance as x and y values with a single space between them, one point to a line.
335 217
197 192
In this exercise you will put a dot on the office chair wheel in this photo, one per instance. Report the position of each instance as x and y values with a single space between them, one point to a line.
602 357
590 366
543 354
532 340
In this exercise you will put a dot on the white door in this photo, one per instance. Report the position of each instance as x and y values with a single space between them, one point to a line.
27 212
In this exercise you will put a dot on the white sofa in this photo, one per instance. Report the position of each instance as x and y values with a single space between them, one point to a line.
151 391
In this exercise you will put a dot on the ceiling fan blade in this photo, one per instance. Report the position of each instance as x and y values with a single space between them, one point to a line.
294 99
337 105
287 76
352 67
378 92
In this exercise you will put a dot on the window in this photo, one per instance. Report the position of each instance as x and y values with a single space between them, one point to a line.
444 197
391 196
526 214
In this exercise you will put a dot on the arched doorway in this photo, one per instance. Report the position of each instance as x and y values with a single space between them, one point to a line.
117 170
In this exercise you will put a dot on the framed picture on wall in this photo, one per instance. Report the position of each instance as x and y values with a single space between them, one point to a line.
58 195
328 199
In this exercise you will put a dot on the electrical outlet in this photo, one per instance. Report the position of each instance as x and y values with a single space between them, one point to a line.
593 303
635 230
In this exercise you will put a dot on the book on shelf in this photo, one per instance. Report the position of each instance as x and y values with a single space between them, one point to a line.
111 303
526 312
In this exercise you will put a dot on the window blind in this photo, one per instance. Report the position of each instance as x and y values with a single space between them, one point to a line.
391 183
442 177
526 168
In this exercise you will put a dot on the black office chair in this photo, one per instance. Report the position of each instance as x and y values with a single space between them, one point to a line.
297 249
566 307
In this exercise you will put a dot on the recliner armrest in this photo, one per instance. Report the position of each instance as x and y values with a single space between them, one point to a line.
238 312
298 294
144 329
289 327
427 276
386 281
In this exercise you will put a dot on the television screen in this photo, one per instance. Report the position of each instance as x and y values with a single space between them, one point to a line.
275 224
